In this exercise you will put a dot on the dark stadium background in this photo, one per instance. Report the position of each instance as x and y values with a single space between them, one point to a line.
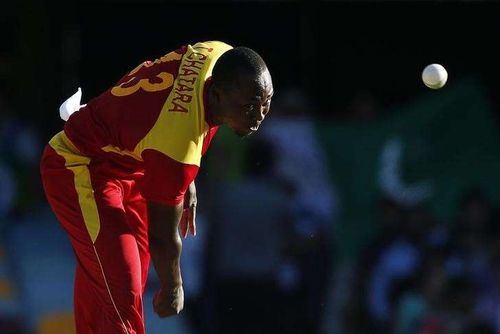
343 56
329 48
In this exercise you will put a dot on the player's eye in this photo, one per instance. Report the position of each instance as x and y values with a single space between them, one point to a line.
249 108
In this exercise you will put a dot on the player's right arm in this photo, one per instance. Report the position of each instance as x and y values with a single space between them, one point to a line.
165 246
164 186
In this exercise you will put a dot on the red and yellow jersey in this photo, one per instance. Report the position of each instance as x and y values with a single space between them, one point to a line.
153 124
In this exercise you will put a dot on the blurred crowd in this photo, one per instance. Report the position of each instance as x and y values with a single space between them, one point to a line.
264 260
422 276
20 195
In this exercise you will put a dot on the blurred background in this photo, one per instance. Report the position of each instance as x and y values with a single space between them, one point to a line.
367 203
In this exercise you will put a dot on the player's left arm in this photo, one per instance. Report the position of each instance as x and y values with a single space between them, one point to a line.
188 220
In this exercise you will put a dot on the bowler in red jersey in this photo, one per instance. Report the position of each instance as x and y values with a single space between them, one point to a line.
120 175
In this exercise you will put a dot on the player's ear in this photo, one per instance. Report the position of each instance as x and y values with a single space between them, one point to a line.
217 93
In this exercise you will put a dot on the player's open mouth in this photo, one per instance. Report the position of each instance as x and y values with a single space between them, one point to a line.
255 127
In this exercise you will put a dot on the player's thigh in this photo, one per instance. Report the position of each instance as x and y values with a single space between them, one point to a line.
91 210
61 192
137 217
115 245
114 272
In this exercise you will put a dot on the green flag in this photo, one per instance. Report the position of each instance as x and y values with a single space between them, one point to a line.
432 149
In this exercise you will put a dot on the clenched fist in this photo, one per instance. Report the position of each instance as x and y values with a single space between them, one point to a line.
169 302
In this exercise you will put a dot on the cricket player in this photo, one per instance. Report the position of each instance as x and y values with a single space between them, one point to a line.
120 175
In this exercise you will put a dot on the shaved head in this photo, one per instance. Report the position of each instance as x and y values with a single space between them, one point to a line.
235 64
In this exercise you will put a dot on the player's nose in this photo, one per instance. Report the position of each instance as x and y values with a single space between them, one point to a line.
260 115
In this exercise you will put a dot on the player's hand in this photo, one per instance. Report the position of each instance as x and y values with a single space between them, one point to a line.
188 222
188 219
169 302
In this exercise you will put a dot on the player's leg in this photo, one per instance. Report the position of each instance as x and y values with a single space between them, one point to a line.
59 186
137 217
108 289
118 261
84 315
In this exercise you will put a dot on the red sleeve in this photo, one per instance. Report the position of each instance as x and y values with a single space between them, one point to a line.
208 139
165 179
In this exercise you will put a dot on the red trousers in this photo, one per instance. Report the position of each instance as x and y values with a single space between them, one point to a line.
106 221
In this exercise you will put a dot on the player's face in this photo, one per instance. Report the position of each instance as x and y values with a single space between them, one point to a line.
246 107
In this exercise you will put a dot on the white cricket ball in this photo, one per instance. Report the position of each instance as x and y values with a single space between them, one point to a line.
434 76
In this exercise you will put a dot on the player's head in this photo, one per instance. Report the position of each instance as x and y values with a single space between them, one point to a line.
241 90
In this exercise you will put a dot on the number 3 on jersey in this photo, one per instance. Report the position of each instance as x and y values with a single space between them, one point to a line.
167 79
